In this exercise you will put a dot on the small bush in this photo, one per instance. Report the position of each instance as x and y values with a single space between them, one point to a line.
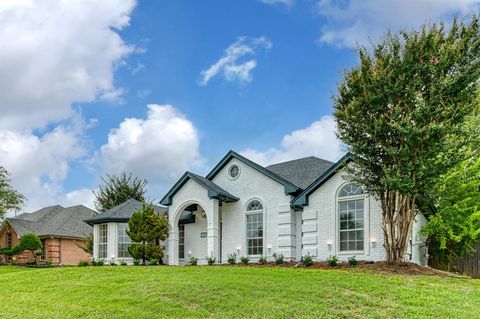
112 263
279 258
83 263
352 261
332 261
123 262
244 260
193 261
99 262
48 264
153 262
307 261
232 258
136 262
211 261
262 260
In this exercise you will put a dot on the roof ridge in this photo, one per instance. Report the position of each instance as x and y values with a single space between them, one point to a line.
298 159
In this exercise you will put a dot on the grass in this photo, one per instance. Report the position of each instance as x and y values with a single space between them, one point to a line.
231 292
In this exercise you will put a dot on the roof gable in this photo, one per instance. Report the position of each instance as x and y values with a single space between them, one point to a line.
302 198
213 190
290 188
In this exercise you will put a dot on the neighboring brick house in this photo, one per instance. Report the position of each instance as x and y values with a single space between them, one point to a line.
60 229
299 207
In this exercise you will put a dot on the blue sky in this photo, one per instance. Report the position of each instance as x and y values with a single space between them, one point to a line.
159 87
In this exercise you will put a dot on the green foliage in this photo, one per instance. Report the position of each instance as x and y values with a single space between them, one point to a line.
147 229
262 260
352 261
456 225
136 262
278 258
232 258
211 260
116 190
32 243
244 260
307 260
10 199
83 263
123 262
400 111
193 261
98 262
86 244
332 261
153 262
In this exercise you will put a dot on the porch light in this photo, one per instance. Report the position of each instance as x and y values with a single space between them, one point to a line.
269 247
373 240
329 244
238 249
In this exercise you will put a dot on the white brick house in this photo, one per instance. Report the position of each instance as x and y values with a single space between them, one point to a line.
295 208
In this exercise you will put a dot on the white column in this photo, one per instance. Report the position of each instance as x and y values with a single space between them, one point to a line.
173 245
95 241
213 230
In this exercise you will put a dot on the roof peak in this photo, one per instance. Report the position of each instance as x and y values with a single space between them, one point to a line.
299 159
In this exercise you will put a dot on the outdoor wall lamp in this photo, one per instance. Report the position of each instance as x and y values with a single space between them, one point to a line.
329 244
373 240
238 249
269 248
189 253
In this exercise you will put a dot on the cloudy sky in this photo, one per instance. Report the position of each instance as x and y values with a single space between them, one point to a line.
159 87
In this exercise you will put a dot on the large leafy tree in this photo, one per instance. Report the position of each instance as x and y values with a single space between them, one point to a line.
147 230
455 226
398 112
116 190
10 199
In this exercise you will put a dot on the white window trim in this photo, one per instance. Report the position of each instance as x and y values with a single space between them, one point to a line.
118 243
102 243
228 172
366 214
247 212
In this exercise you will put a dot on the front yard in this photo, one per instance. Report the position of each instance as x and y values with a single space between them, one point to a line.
231 292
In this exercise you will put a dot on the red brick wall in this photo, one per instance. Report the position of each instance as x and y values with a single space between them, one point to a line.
3 237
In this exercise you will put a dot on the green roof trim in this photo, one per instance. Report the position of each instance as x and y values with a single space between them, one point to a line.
302 198
289 187
214 191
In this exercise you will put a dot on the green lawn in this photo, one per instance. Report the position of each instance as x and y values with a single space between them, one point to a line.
230 292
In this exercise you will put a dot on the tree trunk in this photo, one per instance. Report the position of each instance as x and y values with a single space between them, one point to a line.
398 212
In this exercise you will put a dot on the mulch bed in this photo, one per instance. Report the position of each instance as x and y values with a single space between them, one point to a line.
408 269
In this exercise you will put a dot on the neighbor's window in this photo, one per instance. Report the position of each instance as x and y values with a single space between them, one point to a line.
181 241
123 241
44 250
254 228
102 240
351 211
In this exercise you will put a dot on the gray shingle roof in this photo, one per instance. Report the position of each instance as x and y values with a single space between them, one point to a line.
122 212
54 221
301 172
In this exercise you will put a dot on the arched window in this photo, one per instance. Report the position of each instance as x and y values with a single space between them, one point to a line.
254 228
351 212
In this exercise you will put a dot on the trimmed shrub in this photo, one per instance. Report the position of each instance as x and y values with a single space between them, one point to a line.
352 261
244 260
307 261
153 262
83 263
123 262
232 259
332 261
278 258
193 261
211 261
136 262
262 260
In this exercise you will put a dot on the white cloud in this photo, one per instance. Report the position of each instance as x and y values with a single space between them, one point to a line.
38 165
54 53
352 22
237 61
319 139
287 3
159 147
82 196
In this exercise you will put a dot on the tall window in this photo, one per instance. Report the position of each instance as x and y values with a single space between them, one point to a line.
181 241
255 228
123 241
351 211
9 239
102 240
44 250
